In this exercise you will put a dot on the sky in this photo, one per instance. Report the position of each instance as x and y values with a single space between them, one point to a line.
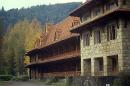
9 4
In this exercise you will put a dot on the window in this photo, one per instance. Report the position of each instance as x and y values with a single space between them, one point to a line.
124 2
87 66
125 23
111 4
99 64
86 16
113 63
97 36
86 39
111 32
96 11
57 34
76 22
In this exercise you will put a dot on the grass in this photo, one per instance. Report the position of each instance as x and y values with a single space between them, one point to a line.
58 84
2 83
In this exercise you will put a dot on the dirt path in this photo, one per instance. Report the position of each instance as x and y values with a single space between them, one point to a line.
29 83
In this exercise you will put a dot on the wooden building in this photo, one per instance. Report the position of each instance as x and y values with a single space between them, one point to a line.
105 36
56 52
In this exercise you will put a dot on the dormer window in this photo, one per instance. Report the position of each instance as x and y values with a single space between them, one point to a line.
57 34
76 22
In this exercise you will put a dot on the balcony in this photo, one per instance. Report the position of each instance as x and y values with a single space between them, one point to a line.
87 73
99 73
96 18
113 73
66 55
62 74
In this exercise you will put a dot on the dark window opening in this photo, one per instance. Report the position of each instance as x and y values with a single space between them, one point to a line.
97 36
125 23
111 32
111 4
86 39
99 64
113 63
87 66
124 2
97 11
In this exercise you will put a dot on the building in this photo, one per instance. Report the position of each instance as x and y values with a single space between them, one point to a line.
57 52
104 36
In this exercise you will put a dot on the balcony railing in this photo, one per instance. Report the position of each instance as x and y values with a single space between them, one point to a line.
62 74
63 56
113 73
99 73
87 73
66 55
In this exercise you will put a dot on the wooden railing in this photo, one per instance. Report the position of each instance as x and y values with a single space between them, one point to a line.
87 73
112 73
99 73
62 74
66 55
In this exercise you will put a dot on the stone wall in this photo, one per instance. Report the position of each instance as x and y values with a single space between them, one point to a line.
104 49
126 44
92 81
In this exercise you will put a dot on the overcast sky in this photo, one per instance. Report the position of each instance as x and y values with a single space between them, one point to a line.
9 4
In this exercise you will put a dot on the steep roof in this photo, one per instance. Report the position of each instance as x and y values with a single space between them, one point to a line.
56 33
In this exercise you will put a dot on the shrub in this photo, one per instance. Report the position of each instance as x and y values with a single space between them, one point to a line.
21 78
123 79
5 77
68 81
51 80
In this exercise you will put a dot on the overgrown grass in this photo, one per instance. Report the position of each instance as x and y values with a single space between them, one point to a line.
2 83
123 79
58 81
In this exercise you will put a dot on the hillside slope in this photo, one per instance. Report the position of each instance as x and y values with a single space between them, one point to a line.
43 13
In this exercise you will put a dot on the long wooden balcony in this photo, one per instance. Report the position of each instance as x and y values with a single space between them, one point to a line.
113 73
67 55
99 73
62 74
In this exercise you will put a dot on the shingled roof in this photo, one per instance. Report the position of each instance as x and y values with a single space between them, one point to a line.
56 33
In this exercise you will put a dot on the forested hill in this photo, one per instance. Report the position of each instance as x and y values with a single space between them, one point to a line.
43 13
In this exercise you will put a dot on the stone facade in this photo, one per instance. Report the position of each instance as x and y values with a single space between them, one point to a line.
102 50
104 37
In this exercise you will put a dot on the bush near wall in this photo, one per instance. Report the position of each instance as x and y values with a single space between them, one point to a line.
124 79
21 78
5 77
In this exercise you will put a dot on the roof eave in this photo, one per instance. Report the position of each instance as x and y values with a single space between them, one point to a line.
78 29
77 12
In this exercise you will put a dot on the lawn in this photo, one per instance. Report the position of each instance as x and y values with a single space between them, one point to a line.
2 83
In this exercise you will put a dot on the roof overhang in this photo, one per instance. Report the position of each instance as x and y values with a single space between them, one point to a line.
29 53
116 12
80 10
